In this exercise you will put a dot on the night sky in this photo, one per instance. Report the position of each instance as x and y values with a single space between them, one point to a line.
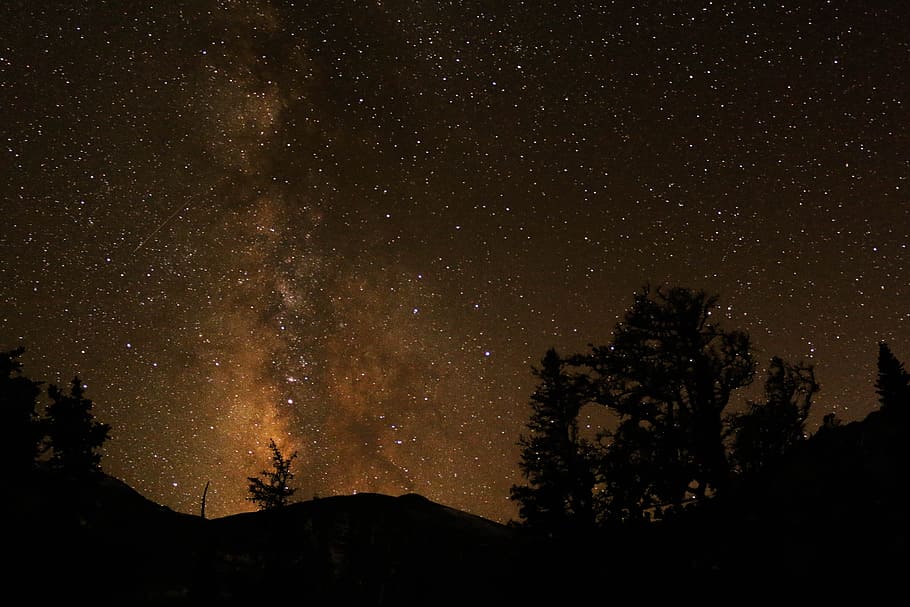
353 227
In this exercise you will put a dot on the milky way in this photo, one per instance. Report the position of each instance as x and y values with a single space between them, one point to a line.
352 227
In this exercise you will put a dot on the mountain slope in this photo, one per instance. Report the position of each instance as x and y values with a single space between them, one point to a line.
101 541
369 548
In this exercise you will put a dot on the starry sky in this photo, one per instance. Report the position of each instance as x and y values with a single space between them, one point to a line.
354 226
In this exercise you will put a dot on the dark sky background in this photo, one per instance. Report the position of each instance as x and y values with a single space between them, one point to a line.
354 226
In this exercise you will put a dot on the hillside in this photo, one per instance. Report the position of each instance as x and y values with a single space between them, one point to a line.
828 519
101 541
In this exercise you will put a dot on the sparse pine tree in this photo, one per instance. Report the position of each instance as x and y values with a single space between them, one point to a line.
893 382
73 436
271 489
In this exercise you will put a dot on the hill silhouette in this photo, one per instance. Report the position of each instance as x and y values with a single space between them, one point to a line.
828 519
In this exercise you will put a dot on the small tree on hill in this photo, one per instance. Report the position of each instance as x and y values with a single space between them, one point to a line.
73 436
271 489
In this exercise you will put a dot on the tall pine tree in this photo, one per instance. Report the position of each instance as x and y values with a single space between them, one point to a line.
74 437
20 430
554 458
893 382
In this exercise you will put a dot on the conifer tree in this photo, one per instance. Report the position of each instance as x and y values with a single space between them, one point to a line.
893 382
554 458
20 430
73 435
271 489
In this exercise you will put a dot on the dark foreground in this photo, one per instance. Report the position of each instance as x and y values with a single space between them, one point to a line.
827 525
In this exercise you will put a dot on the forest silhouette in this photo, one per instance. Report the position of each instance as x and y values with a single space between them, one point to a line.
685 498
668 376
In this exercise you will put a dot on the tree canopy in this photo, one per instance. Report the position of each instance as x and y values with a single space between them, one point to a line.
768 430
74 437
20 427
667 376
554 459
67 435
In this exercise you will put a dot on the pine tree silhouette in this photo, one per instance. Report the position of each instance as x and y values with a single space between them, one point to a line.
20 428
554 459
271 489
669 373
893 382
74 437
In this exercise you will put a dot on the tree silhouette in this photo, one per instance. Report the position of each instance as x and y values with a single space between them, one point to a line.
631 473
271 489
554 459
73 436
20 428
893 382
668 374
766 431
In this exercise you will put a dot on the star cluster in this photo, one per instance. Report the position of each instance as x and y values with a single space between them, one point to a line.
354 226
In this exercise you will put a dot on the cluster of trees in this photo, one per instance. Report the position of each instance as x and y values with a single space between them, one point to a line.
65 435
667 377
